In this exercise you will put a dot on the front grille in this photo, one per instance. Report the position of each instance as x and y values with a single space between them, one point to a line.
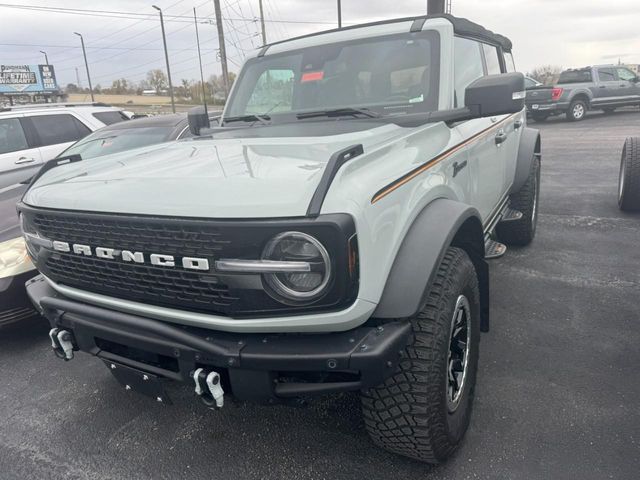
143 283
177 287
162 286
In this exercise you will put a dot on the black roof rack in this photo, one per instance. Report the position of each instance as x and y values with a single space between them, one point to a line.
461 26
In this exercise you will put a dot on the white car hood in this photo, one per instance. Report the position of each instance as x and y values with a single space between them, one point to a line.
209 178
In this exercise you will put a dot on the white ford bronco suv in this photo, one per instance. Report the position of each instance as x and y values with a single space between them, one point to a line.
329 235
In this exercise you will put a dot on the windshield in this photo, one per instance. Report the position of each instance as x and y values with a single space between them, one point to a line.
113 141
389 75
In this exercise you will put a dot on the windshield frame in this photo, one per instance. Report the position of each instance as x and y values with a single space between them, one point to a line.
387 112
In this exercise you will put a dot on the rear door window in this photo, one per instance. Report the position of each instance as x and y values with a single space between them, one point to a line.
55 129
12 137
509 62
467 66
109 118
492 59
607 74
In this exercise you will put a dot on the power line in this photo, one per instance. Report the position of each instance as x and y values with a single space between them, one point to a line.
137 16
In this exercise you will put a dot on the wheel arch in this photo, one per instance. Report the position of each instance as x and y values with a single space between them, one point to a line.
441 224
530 146
582 95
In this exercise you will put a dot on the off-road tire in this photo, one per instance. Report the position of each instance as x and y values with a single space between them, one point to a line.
572 113
409 413
521 232
539 117
629 178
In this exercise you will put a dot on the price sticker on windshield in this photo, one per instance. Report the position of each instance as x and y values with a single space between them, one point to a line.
312 77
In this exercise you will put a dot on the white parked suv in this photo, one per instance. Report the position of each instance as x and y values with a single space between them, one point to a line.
32 134
330 235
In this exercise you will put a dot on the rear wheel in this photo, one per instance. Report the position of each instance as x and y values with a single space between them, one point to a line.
629 178
423 411
522 232
577 110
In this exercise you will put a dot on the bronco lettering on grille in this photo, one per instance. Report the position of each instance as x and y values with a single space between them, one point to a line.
157 259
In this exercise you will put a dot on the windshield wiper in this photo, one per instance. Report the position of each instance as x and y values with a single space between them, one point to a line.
339 112
264 119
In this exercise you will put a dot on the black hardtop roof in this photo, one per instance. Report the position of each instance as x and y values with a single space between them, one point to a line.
461 26
171 120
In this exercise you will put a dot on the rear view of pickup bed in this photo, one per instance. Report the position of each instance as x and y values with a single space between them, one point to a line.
542 102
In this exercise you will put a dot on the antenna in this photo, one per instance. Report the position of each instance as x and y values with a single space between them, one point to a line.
204 91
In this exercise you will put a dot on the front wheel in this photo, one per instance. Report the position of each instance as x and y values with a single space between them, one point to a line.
629 178
424 409
577 111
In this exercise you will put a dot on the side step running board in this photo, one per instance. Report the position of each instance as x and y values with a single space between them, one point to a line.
493 249
510 215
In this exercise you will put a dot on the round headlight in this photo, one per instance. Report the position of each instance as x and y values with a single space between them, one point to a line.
298 287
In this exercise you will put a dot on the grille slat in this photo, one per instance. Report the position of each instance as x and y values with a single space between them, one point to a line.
172 287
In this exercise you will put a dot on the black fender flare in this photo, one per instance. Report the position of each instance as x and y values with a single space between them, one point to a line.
441 224
530 145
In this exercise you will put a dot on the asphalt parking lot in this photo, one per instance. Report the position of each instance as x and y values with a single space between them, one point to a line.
558 388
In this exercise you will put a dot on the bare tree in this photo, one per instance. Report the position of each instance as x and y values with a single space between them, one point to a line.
547 74
157 79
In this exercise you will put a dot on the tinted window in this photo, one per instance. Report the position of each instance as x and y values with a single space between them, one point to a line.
626 74
467 66
12 137
607 74
104 142
493 61
109 118
508 60
54 129
575 76
390 75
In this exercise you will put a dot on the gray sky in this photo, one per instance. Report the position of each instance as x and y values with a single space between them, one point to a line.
568 33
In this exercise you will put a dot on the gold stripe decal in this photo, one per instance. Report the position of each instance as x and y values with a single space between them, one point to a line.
383 192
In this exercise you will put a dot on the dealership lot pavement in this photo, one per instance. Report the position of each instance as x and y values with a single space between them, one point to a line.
558 392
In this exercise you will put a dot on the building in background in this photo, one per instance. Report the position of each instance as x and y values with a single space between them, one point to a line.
28 84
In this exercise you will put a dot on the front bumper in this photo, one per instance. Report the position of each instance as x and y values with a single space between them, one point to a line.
264 368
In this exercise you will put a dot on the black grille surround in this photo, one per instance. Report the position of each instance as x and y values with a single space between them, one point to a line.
175 287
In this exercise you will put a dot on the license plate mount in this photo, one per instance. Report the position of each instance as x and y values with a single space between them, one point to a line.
139 381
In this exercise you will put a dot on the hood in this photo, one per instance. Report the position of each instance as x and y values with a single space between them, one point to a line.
213 178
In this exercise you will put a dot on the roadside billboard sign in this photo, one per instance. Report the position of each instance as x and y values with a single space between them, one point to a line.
24 79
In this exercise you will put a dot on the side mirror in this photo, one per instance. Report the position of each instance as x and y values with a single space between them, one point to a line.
198 120
495 95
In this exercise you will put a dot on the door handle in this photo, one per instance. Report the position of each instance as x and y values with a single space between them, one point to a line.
517 124
22 160
501 137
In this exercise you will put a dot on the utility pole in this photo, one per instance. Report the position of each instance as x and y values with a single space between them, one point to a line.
46 60
204 92
339 14
264 32
166 57
86 64
223 49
